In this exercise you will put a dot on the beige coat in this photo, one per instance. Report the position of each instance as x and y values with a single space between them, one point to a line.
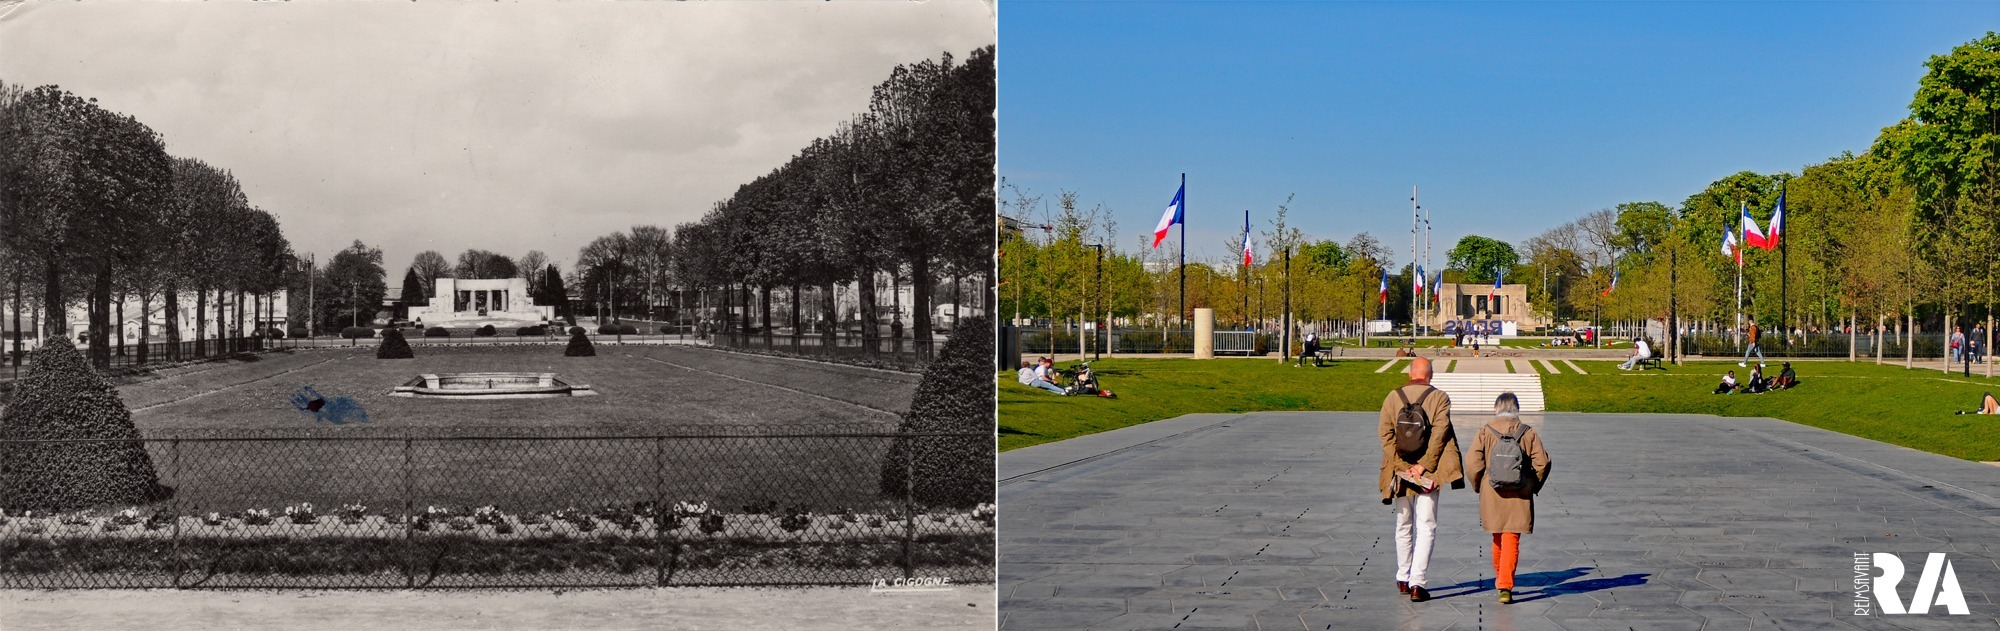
1441 459
1512 511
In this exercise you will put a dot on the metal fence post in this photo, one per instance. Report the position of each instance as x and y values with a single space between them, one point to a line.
659 510
909 508
179 569
409 522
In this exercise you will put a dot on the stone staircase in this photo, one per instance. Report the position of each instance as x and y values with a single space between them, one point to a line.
1473 393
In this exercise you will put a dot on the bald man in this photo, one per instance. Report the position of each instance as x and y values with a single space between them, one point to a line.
1437 459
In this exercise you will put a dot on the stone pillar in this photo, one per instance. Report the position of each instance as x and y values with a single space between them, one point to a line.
1204 334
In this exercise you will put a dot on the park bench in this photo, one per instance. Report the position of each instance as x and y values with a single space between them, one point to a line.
1653 362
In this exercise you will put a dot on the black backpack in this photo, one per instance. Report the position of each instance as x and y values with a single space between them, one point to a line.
1507 466
1413 425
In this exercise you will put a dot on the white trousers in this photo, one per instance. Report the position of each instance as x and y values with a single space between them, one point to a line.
1416 531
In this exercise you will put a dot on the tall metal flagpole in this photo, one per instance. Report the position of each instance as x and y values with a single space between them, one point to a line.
1414 298
1246 268
1183 212
1784 280
1740 243
1430 289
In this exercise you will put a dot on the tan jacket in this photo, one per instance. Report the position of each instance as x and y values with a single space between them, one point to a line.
1441 458
1512 511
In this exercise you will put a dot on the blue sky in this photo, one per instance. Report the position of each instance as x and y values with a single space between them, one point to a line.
1512 117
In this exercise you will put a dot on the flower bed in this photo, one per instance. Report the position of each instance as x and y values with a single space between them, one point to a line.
350 541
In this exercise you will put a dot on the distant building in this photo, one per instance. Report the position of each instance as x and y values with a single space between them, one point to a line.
1479 305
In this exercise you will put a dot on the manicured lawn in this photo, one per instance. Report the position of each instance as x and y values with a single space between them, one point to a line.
1154 389
1912 408
644 391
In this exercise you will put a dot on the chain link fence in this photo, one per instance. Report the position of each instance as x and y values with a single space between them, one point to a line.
457 508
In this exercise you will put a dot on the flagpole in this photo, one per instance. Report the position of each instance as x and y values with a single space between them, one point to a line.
1246 269
1740 246
1784 278
1183 212
1416 295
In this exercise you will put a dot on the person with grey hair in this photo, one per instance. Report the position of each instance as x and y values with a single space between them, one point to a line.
1508 466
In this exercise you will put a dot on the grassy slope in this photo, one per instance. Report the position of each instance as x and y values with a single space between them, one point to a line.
1912 408
1154 389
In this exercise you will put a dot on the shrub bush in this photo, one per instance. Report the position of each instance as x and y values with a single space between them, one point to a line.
527 331
667 329
274 333
485 331
955 395
607 329
437 331
357 332
62 397
579 345
393 346
298 332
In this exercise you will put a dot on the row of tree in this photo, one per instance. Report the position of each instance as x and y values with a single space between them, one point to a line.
904 189
1906 230
93 207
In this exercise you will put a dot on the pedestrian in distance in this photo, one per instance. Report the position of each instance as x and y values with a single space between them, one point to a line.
1507 466
1957 344
1420 454
1751 337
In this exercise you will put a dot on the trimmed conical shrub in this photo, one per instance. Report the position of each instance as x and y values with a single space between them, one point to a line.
956 394
61 397
579 345
393 346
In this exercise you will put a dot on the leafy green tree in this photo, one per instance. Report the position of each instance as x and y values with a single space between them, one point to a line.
1480 259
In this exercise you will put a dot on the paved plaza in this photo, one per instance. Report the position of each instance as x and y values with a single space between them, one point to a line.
1273 521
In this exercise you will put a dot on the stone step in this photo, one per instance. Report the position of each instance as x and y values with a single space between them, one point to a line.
1473 393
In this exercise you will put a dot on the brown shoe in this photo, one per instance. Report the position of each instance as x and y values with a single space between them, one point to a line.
1402 587
1419 594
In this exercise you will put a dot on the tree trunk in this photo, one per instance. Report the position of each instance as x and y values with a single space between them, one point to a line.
764 304
173 308
830 316
743 304
201 322
17 315
1910 343
100 318
896 309
121 324
920 307
52 300
145 325
240 331
796 319
864 298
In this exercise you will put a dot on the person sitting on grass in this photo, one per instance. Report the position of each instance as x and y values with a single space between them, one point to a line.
1640 352
1987 405
1786 378
1757 383
1309 349
1041 375
1728 384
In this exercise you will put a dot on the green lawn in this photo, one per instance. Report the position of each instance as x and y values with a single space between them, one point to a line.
1912 408
644 391
1154 389
1891 404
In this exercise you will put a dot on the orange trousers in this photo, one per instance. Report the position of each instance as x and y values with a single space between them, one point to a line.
1506 555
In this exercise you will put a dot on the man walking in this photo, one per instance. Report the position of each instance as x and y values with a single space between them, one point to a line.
1977 343
1419 455
1751 336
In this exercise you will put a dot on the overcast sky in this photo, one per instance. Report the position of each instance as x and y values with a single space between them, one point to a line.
505 126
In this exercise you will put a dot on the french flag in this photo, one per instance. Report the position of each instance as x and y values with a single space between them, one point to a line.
1752 235
1420 279
1730 247
1172 216
1777 223
1614 282
1247 252
1499 275
1385 286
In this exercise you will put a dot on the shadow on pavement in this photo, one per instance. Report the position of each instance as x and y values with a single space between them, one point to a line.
1552 584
